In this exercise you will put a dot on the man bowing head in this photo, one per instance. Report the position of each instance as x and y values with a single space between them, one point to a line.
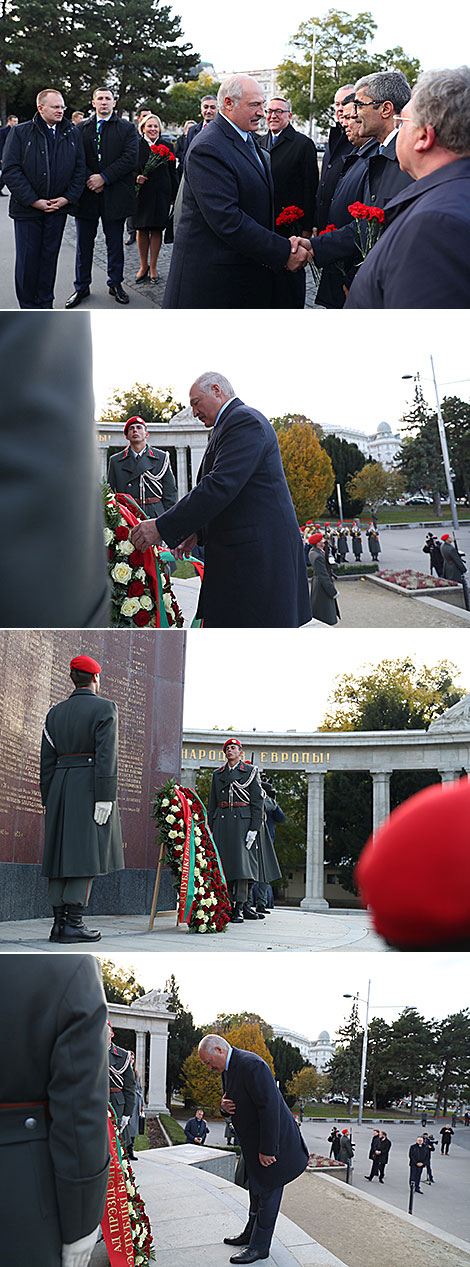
272 1146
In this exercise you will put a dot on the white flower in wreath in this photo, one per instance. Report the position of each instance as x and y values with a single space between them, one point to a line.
146 602
165 802
170 818
140 1259
168 602
108 536
130 1189
173 835
140 574
121 573
129 607
125 547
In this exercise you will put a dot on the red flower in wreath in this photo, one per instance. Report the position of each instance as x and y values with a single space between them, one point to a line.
141 618
136 588
136 559
122 533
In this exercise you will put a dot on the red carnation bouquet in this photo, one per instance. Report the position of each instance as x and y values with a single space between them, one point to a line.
160 156
289 215
374 217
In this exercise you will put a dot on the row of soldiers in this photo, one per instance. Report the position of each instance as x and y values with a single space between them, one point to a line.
337 540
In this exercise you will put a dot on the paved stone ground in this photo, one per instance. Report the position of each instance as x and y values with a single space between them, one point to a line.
144 296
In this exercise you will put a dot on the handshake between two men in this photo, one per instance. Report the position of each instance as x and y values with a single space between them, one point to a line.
301 254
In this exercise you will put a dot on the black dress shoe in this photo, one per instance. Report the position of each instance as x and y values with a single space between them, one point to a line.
119 294
242 1239
130 239
248 1256
74 300
249 912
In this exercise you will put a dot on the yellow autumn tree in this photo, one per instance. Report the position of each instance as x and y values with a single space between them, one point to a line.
200 1086
309 1084
308 469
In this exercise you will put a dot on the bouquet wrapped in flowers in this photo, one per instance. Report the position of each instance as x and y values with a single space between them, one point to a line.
159 156
125 1224
141 588
193 859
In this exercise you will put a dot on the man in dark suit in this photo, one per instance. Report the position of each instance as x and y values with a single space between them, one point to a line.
79 770
44 168
143 472
294 169
235 816
272 1146
337 274
208 111
54 1154
49 477
241 509
226 253
196 1128
423 258
418 1157
111 151
12 122
338 146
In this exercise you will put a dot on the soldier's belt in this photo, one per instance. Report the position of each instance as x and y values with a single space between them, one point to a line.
70 760
26 1104
152 501
233 805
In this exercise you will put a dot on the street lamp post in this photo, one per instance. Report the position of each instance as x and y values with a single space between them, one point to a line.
312 83
364 1052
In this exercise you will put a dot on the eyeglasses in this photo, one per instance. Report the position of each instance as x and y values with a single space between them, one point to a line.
368 103
398 121
277 112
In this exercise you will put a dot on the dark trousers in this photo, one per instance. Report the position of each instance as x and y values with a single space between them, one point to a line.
37 251
416 1174
445 1146
86 233
264 1209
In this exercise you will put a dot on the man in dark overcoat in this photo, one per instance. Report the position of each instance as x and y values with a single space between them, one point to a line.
122 1093
111 152
423 257
226 253
235 816
294 170
385 1146
272 1145
208 112
323 592
196 1128
49 477
337 274
374 1155
79 769
242 512
338 146
142 471
54 1154
44 168
418 1156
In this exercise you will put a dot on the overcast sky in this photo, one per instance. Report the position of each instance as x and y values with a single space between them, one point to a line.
305 992
341 367
273 679
255 36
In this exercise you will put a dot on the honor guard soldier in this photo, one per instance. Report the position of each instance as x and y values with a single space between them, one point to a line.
121 1085
235 817
79 769
143 472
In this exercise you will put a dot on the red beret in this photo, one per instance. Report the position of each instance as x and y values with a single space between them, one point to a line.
309 523
135 419
445 536
232 740
85 664
317 536
415 873
345 1132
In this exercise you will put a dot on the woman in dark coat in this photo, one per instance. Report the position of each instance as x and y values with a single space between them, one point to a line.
323 591
156 194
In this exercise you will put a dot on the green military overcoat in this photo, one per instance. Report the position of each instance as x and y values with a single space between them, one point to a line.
79 765
229 824
54 1154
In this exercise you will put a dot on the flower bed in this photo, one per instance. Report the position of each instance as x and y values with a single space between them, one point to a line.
317 1162
409 580
193 859
141 592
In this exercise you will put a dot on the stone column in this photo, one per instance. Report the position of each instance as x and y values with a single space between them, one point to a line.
140 1056
197 454
314 900
157 1070
181 473
380 797
188 779
103 454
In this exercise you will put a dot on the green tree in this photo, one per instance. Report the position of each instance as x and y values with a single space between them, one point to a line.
412 1052
183 1036
229 1021
346 460
287 1062
307 468
141 399
344 1068
119 984
456 415
452 1058
382 1085
183 101
341 57
420 460
308 1084
373 484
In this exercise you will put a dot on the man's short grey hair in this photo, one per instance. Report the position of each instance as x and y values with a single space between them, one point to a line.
387 85
208 1045
277 96
231 87
209 96
208 380
441 99
344 87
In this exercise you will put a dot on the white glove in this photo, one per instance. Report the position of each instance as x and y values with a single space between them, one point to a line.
249 838
78 1254
102 811
124 1122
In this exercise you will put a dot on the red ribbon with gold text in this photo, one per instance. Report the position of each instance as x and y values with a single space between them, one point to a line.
116 1224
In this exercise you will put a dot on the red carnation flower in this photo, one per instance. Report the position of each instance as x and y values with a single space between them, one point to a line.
141 618
359 210
376 213
136 588
135 559
330 228
122 533
289 215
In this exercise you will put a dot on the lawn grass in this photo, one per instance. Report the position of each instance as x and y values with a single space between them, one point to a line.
174 1130
341 1111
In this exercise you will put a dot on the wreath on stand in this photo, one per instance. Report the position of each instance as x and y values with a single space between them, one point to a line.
193 858
141 590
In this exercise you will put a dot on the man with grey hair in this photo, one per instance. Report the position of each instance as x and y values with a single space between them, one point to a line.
226 253
337 149
294 169
423 258
272 1146
242 512
379 98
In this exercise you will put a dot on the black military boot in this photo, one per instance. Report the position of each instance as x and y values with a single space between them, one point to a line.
58 925
249 912
74 929
236 916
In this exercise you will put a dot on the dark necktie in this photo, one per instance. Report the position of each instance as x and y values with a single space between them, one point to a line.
251 146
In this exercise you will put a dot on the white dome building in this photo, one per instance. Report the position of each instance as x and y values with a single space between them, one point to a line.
318 1051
